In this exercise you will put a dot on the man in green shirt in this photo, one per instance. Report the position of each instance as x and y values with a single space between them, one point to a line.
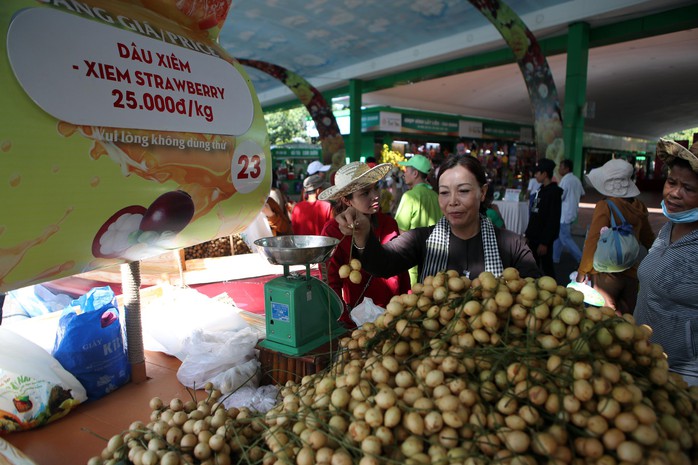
419 206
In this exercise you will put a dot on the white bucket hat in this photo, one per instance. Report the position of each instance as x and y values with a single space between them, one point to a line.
353 177
613 179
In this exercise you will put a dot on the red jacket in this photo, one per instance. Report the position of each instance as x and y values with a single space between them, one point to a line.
309 218
380 290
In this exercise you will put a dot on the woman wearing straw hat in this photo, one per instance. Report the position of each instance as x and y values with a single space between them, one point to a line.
613 181
668 297
356 187
463 240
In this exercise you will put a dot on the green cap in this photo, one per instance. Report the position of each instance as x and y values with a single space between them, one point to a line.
418 162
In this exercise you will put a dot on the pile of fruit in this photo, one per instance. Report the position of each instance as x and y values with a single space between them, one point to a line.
220 247
494 370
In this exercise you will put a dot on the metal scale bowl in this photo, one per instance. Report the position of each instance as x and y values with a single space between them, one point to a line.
301 311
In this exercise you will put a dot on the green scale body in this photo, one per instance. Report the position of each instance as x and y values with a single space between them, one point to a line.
301 314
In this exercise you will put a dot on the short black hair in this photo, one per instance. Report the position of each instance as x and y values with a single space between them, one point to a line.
545 165
567 163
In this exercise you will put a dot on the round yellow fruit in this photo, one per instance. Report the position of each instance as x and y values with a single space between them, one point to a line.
355 264
344 271
355 276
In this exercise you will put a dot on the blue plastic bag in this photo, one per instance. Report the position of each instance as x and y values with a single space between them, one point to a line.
89 343
617 248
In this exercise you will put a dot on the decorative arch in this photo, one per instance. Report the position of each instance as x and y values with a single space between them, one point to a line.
333 150
534 67
536 73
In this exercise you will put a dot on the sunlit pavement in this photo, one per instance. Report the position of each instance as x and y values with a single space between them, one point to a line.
586 209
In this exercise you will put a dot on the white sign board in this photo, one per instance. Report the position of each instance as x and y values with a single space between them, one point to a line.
119 79
512 195
390 121
469 129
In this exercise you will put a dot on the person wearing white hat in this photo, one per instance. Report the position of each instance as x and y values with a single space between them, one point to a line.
614 181
356 187
463 240
317 167
668 297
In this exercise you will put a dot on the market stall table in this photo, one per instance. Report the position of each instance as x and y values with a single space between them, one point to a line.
514 214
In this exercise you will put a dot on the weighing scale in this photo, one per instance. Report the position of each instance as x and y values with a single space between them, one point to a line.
301 311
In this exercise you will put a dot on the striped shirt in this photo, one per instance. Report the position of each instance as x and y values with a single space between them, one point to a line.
668 299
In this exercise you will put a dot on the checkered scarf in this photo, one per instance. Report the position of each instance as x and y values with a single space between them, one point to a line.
437 249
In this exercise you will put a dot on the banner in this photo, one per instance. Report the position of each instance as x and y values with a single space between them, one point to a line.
124 133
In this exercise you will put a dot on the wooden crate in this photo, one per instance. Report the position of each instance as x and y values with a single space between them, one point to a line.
278 368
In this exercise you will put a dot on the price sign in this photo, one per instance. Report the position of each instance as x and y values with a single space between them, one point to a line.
123 135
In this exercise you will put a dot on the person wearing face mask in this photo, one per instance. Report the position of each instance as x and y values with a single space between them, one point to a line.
463 240
668 297
356 188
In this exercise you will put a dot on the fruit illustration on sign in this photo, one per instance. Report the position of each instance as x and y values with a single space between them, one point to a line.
171 211
135 230
22 403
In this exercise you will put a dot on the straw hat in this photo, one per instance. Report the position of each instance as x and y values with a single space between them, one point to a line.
667 150
353 177
613 179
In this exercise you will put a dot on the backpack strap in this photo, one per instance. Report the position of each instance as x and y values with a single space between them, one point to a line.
614 227
614 209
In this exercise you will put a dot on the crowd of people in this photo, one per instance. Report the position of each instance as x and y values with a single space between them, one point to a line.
455 226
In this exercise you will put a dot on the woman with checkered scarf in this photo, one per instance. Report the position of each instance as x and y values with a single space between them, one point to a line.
463 240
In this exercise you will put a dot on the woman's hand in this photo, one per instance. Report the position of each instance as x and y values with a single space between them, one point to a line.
354 223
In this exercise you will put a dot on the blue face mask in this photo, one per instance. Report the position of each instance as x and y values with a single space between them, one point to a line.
688 216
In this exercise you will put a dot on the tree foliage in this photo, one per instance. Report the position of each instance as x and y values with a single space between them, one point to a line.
686 134
287 126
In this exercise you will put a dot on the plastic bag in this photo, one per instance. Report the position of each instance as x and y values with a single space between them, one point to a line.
10 455
366 312
210 354
258 228
89 343
261 399
243 374
169 321
617 248
34 388
32 301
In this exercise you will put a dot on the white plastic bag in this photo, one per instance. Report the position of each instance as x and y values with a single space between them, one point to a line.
258 228
366 312
10 455
244 374
213 353
34 388
261 399
169 321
